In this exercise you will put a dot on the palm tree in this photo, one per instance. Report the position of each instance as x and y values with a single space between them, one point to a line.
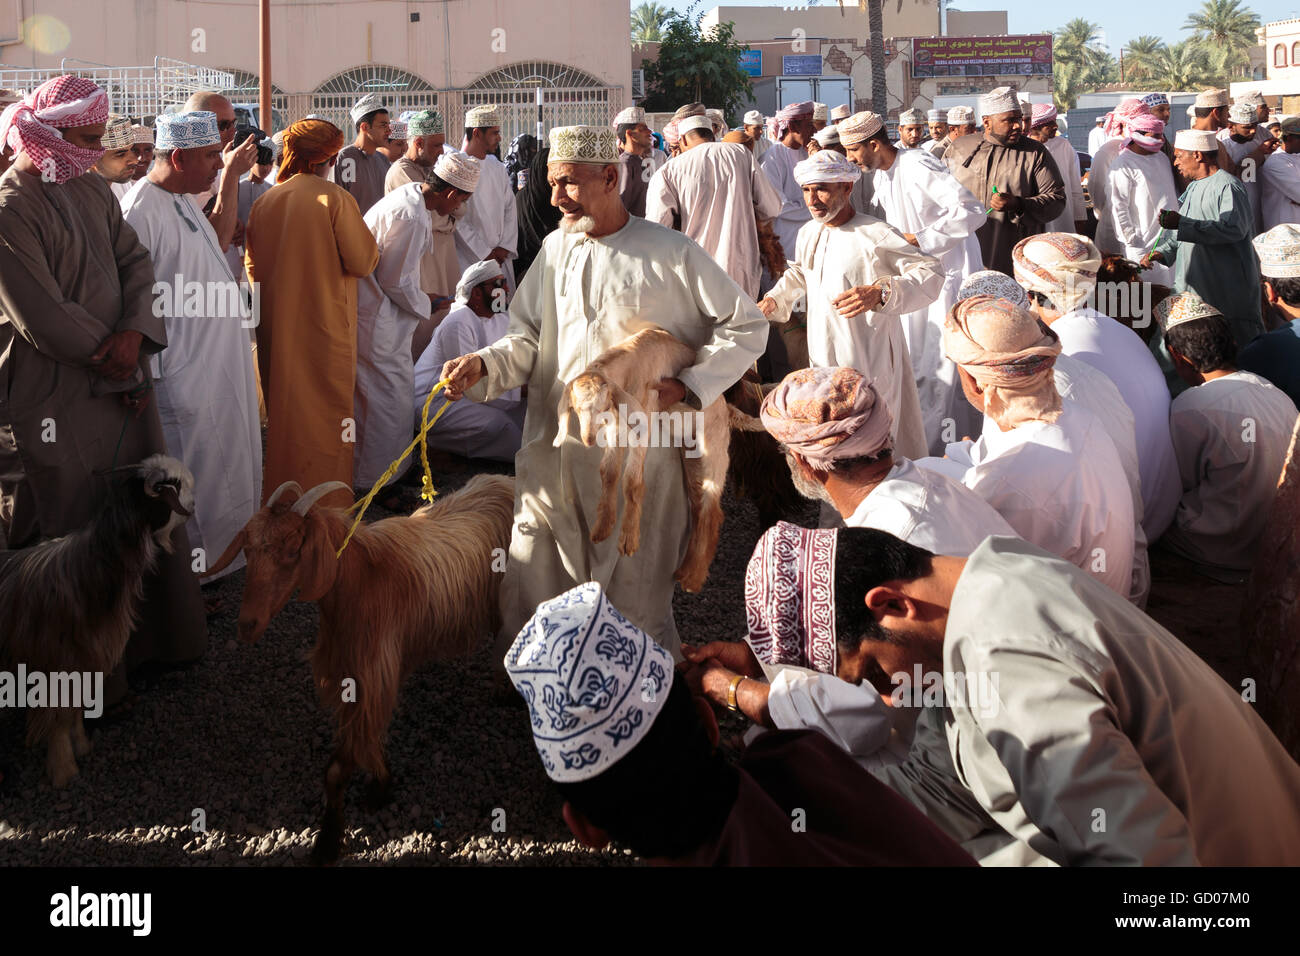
1079 63
1183 66
647 22
1139 54
876 39
1228 27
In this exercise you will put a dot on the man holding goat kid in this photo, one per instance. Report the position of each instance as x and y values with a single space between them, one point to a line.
602 276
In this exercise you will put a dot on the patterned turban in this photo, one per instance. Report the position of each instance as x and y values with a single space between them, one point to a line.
1127 111
671 134
1152 100
828 414
790 597
1010 354
994 283
306 143
1061 265
1043 114
33 125
782 119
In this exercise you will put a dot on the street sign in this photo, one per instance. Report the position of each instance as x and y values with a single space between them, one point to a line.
751 62
803 65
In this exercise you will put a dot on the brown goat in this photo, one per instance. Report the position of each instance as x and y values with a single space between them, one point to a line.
404 592
622 379
758 469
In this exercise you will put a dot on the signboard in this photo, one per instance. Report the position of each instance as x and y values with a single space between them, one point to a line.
751 62
982 56
802 65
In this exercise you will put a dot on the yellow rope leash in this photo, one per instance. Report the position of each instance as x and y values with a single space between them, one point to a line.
427 491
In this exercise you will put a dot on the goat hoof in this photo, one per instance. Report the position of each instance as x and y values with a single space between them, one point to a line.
327 848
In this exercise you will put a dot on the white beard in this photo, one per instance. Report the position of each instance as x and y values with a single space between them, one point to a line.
581 224
809 489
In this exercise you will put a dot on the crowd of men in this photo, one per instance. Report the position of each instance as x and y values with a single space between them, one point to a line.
1000 451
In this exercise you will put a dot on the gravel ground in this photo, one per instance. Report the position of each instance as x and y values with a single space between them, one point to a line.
241 737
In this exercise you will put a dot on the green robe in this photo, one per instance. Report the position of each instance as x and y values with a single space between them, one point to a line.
1212 254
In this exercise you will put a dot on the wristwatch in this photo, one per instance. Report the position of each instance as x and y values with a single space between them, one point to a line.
884 291
731 693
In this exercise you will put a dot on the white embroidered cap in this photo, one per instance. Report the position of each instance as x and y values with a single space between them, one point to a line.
1001 99
593 681
482 116
365 106
191 130
1196 140
1182 307
585 144
858 127
1279 251
458 169
118 133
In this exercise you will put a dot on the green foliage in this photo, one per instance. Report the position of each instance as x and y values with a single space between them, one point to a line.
697 66
1079 63
1227 31
647 22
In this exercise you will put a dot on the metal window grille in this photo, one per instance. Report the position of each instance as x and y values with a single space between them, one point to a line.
399 89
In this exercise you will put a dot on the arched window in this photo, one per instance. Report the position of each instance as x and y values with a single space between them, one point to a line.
1279 55
399 89
1295 54
570 97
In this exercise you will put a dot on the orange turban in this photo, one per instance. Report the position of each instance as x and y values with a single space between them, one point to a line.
306 143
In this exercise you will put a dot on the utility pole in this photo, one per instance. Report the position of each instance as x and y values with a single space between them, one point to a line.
266 117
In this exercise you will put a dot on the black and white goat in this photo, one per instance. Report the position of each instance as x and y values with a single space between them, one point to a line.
69 604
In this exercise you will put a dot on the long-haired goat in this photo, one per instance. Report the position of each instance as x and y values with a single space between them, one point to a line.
623 379
69 604
405 591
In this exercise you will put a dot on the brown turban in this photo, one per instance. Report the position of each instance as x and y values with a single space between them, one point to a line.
1010 354
307 143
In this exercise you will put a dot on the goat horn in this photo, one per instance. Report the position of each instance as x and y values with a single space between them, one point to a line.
304 504
287 486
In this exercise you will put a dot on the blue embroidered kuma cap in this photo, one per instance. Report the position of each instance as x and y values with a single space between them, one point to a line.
594 682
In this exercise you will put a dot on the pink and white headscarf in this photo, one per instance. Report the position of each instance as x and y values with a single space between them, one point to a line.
33 125
1147 131
1043 113
790 597
781 121
1127 111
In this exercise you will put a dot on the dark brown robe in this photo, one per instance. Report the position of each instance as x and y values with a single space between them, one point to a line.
71 273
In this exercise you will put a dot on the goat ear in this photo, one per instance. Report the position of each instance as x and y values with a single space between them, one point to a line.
231 552
318 565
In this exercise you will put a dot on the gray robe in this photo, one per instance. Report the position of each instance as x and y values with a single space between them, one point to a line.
71 273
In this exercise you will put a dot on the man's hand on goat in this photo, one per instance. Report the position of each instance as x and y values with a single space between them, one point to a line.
118 356
671 391
462 374
856 301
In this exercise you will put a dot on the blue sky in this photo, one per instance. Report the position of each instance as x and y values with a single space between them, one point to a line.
1121 19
